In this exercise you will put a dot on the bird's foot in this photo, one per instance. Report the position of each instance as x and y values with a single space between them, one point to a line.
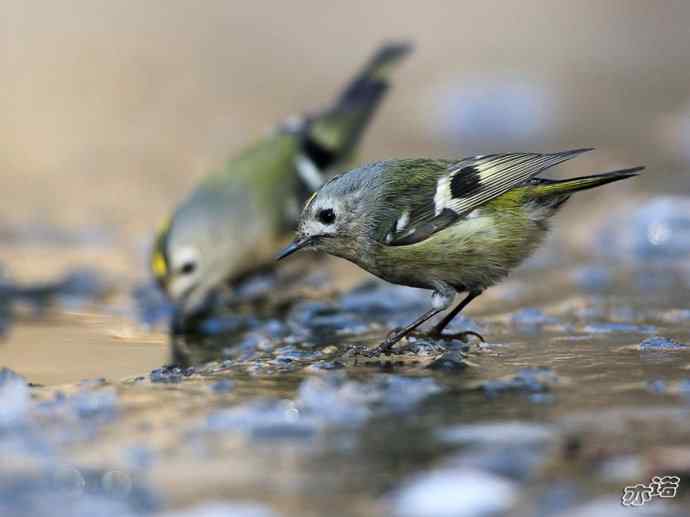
385 348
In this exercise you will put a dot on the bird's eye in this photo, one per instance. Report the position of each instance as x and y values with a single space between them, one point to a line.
188 268
326 216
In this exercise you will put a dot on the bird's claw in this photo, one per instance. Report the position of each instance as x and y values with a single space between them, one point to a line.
384 348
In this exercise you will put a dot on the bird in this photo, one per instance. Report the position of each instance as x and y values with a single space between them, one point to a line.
448 226
231 223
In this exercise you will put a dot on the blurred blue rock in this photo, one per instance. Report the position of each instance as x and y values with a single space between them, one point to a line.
459 492
510 111
530 319
273 329
340 400
77 288
593 277
495 434
608 327
222 386
505 461
374 297
335 399
657 386
556 497
255 286
95 403
541 398
676 315
658 343
463 323
151 305
529 380
319 316
51 235
61 489
683 387
380 302
14 399
139 456
226 324
330 399
263 419
657 230
84 284
510 449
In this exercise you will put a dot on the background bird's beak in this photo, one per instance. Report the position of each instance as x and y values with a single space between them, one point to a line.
294 246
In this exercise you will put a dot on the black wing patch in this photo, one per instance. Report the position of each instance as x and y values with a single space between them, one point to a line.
467 180
470 184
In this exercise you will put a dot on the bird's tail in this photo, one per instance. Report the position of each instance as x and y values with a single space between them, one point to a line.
549 188
332 134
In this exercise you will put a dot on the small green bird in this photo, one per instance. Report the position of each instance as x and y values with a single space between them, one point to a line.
231 223
448 226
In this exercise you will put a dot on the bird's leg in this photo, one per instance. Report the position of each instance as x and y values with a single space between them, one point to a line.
441 300
438 329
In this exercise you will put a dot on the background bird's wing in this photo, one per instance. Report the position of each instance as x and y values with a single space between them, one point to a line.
467 185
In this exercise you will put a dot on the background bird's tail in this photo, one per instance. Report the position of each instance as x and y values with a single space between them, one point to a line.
332 135
548 188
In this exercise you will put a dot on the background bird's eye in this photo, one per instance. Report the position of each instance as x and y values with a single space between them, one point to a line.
327 216
188 268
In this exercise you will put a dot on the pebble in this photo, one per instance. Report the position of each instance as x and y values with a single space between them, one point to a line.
530 319
658 229
95 403
530 380
15 398
166 375
222 386
461 492
263 419
659 343
494 434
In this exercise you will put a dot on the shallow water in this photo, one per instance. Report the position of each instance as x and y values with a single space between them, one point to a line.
582 389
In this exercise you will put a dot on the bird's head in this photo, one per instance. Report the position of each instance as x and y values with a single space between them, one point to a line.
180 266
333 220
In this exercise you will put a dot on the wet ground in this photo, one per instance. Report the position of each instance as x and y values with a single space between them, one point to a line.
582 389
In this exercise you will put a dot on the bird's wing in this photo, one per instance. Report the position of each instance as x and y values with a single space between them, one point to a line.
467 185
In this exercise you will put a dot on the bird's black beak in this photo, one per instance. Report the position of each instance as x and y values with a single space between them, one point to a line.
294 246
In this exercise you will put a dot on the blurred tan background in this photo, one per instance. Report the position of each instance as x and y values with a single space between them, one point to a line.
113 109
